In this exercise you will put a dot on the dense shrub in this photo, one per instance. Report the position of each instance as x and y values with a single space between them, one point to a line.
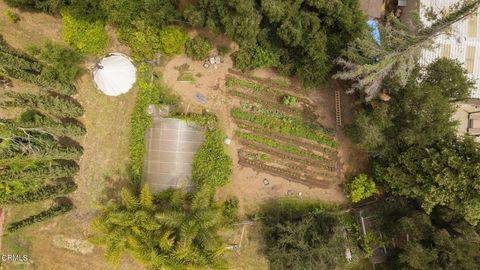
361 187
53 211
211 164
61 64
256 57
172 40
124 13
85 36
57 105
149 93
12 16
198 48
230 208
144 40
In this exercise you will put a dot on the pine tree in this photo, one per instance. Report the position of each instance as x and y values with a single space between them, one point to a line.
367 64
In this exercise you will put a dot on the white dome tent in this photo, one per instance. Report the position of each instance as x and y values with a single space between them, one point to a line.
114 74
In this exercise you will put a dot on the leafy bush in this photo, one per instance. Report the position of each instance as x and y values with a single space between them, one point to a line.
230 208
211 164
144 40
85 36
53 211
361 187
57 105
172 40
198 48
256 57
61 64
289 100
222 51
149 93
12 16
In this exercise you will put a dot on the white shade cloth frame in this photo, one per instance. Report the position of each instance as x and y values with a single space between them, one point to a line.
114 74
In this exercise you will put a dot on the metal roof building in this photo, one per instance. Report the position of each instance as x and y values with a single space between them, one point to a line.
463 44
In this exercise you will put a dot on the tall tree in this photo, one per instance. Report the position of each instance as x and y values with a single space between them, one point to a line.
446 173
428 242
366 64
420 111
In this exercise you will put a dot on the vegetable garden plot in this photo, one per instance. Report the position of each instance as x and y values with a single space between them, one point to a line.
280 137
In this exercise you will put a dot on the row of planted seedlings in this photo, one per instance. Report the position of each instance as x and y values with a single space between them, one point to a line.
277 137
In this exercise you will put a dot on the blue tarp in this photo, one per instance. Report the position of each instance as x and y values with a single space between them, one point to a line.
375 31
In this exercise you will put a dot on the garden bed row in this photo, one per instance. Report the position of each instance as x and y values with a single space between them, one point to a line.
265 103
291 129
286 174
269 82
263 153
280 145
259 109
324 150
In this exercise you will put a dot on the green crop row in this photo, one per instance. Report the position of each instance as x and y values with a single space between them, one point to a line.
286 148
284 117
292 129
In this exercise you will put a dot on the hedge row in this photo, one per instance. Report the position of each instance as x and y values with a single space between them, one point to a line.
28 169
18 65
211 164
149 93
59 106
69 128
53 211
49 191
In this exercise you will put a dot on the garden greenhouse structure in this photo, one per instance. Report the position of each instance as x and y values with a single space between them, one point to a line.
171 145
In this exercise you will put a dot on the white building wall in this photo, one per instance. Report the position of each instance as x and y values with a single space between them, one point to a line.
459 40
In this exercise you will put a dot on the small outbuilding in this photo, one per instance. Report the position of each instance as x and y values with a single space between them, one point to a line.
114 74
